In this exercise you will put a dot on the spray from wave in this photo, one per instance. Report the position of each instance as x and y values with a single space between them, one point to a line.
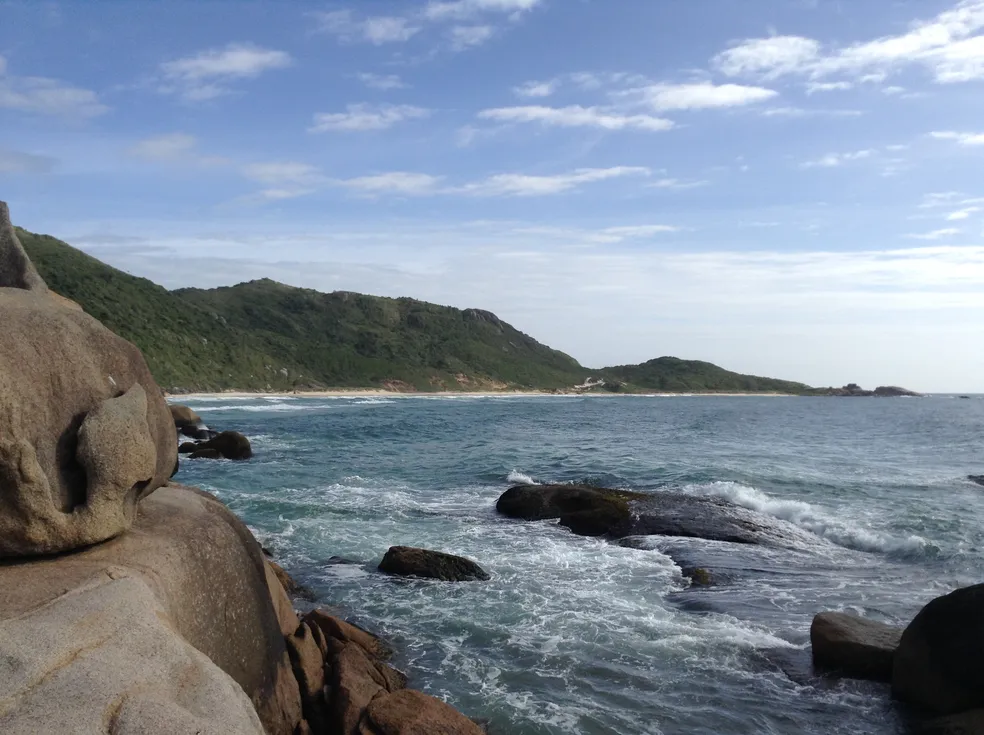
840 531
520 478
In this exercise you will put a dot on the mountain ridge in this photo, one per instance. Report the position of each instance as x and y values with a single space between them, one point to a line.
264 335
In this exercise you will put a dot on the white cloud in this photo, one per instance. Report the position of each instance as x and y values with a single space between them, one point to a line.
802 112
768 57
617 234
362 117
18 162
893 90
206 75
962 214
576 116
832 160
284 179
165 147
698 96
377 30
394 182
537 89
465 37
464 9
524 185
383 82
960 138
814 87
676 184
946 45
44 96
936 234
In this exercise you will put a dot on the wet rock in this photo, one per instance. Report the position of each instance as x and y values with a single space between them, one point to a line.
188 447
852 646
699 577
594 511
290 585
197 433
205 453
979 479
408 561
231 445
939 664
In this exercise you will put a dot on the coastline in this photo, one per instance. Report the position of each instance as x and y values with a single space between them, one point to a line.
382 392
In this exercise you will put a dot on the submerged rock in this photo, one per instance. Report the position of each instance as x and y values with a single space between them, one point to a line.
854 647
939 664
188 447
205 453
591 511
408 561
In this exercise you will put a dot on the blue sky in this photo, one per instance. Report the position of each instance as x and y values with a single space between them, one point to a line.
791 188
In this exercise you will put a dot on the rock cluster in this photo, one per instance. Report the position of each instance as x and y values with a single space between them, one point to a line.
934 664
883 391
207 444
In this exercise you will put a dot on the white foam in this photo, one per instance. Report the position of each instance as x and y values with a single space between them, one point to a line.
837 530
520 478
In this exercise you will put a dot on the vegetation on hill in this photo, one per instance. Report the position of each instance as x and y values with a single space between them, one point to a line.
673 375
263 335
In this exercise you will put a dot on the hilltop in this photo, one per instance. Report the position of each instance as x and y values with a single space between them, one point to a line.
265 335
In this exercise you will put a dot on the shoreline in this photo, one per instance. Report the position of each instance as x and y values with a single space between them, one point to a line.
382 392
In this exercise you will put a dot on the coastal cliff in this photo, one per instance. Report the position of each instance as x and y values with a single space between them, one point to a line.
130 605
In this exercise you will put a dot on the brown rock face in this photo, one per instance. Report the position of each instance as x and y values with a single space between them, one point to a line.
412 562
84 431
854 647
184 416
408 712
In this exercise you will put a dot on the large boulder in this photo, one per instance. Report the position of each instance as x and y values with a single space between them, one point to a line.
408 561
103 653
213 590
853 646
84 431
939 664
408 712
593 511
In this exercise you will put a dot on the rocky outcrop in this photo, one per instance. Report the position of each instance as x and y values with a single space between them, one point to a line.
348 688
592 511
84 430
852 646
209 585
407 561
938 664
16 269
853 390
225 445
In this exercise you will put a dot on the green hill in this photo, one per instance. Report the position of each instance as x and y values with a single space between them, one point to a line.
673 375
263 335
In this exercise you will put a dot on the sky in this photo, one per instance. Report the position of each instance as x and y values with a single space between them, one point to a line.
791 188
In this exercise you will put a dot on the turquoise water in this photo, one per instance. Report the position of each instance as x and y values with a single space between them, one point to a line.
578 635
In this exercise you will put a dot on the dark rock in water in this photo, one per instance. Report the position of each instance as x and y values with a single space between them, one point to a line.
979 479
939 664
412 562
965 723
699 577
291 587
337 560
882 391
231 445
196 432
593 511
188 447
205 453
893 391
853 646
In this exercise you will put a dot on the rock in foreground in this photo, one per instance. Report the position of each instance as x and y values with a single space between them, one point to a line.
84 431
851 646
408 561
939 664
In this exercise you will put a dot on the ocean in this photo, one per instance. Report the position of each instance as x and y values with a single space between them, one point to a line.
582 635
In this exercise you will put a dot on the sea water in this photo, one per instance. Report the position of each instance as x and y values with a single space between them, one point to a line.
583 635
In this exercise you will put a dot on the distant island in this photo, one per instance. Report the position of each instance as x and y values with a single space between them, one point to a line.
267 336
